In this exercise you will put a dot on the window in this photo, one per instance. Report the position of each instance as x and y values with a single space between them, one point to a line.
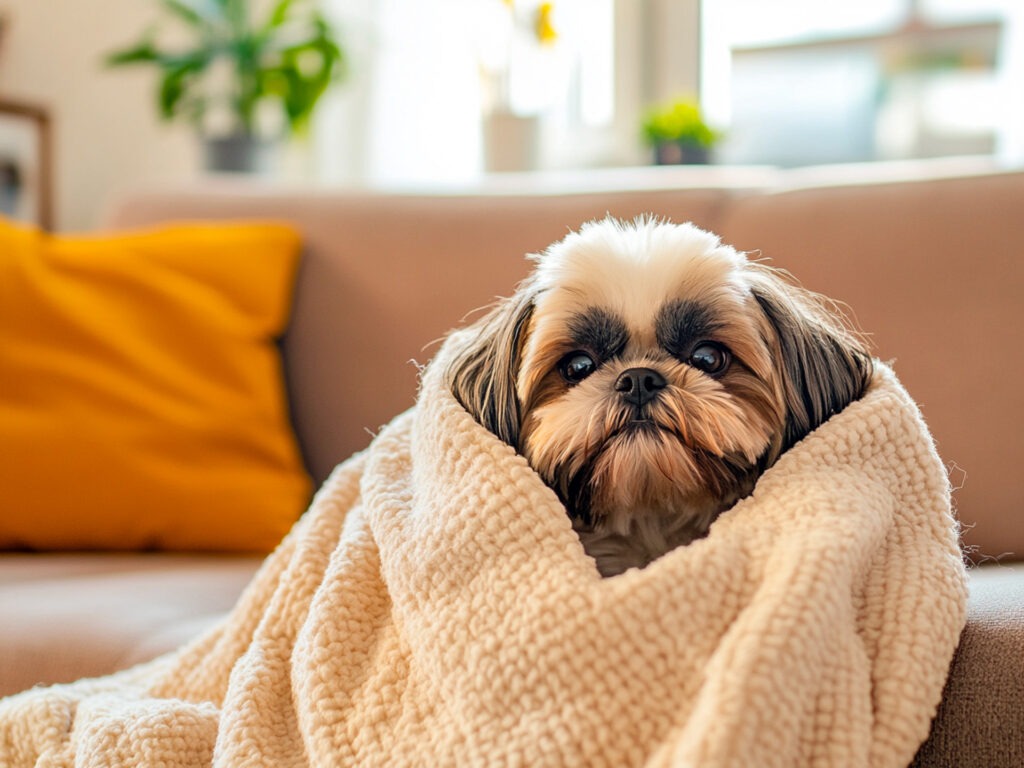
792 82
880 79
424 75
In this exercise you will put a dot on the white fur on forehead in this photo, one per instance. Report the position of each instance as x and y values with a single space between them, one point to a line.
603 260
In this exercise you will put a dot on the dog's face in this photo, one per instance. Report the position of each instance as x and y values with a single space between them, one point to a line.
649 374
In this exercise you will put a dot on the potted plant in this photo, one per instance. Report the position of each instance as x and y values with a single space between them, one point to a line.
677 132
236 69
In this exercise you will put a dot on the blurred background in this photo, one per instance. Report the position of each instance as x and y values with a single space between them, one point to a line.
443 93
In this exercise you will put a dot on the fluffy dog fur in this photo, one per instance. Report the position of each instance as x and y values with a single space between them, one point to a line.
650 374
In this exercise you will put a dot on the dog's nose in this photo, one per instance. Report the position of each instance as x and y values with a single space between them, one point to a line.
640 385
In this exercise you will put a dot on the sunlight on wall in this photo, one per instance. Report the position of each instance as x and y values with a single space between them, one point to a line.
108 137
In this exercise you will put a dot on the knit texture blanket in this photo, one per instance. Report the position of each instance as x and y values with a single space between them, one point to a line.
434 607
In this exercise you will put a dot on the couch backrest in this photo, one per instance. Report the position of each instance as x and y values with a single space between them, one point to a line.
385 276
927 261
933 270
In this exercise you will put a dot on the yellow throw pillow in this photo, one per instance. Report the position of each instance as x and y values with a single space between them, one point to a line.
142 402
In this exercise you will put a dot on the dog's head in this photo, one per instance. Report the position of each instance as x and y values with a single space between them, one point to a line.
647 367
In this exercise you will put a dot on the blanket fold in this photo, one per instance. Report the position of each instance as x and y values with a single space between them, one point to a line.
434 607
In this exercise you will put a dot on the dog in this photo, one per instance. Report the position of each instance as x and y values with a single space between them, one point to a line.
650 374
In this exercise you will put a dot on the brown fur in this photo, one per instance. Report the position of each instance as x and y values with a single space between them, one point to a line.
641 480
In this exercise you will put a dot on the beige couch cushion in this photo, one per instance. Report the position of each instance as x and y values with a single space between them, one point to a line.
72 616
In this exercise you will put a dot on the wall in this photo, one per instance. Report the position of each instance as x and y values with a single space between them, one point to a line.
107 134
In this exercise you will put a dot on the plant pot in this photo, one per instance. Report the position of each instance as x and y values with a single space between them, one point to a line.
681 153
238 153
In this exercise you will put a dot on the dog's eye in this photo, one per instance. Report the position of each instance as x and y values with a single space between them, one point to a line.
576 366
709 357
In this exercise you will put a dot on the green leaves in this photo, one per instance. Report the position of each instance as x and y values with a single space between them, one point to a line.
237 15
679 121
291 57
179 74
144 51
305 71
186 11
279 15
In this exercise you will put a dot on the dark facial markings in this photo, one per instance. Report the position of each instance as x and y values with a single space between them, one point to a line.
599 332
681 324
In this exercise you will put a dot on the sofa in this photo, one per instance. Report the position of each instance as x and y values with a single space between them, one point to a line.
925 256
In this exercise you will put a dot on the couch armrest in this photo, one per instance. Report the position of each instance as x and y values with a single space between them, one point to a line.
981 719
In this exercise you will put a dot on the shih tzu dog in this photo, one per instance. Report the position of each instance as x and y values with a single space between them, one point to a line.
650 375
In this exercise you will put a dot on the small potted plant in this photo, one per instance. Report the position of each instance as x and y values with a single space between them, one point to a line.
677 132
235 67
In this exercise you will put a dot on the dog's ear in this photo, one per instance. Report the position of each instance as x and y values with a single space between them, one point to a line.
482 375
822 363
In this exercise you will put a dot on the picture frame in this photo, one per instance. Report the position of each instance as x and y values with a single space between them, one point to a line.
26 163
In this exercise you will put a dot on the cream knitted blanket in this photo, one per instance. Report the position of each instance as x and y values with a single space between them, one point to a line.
434 607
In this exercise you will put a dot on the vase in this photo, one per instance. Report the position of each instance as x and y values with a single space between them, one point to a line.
680 153
238 153
510 141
